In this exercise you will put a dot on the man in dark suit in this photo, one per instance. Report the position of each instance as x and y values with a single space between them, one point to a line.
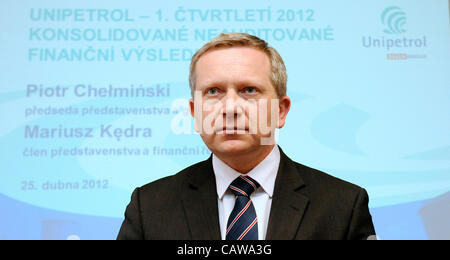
248 188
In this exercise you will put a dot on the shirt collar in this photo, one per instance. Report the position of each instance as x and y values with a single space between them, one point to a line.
264 173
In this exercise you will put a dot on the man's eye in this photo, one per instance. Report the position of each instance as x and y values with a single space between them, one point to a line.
250 90
212 91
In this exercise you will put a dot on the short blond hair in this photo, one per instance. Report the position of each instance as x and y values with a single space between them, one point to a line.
278 75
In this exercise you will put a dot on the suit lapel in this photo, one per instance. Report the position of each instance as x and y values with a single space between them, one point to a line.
200 203
288 203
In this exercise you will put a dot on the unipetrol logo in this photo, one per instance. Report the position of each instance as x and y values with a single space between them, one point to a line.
397 43
393 18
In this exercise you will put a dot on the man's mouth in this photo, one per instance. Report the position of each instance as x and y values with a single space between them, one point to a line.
232 130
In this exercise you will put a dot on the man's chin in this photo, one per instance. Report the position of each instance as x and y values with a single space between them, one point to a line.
233 147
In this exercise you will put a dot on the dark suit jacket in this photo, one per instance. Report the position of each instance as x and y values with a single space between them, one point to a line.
306 204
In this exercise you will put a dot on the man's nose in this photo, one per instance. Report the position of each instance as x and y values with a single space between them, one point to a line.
232 105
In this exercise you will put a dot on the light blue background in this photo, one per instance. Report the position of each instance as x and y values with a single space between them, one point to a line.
379 123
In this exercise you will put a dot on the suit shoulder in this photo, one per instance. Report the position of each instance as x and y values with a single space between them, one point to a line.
319 178
171 182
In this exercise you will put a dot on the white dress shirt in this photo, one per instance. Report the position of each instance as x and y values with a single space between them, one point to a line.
264 173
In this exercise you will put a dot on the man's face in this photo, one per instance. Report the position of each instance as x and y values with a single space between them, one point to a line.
239 107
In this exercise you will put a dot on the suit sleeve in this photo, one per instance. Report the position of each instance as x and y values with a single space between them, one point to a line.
131 228
361 226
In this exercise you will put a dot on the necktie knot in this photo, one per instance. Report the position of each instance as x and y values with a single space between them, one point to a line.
243 186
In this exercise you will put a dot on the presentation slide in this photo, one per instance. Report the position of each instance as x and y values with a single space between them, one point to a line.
94 103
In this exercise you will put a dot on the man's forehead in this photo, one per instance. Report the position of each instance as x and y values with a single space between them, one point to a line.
234 55
247 81
217 75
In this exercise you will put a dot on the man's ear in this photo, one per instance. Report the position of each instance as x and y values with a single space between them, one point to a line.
197 117
191 106
284 106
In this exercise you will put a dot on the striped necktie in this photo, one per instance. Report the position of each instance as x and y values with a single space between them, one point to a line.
243 223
